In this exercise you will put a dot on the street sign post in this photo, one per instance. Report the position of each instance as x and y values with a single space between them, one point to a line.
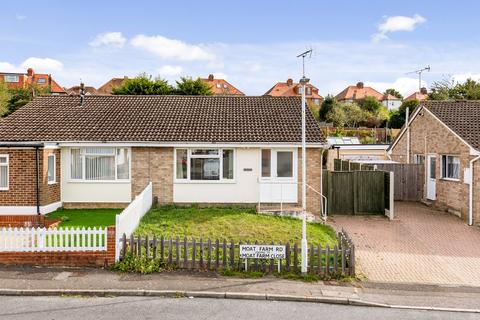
259 251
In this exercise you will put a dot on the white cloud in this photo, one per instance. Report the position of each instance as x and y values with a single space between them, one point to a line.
460 78
404 85
397 23
8 67
42 64
169 70
110 39
20 17
170 48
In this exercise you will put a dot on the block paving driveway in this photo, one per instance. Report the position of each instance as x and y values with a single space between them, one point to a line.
420 245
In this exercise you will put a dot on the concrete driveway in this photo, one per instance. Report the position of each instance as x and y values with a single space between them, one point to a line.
420 245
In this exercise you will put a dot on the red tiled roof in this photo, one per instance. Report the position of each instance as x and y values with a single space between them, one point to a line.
75 90
358 92
417 96
290 89
221 86
107 87
208 119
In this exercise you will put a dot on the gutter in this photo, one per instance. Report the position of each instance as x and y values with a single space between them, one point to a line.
470 196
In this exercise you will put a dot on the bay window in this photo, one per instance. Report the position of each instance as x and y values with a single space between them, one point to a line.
204 164
4 172
450 167
100 164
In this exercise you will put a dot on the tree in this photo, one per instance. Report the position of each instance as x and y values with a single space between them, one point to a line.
188 86
144 85
448 90
326 107
371 104
397 117
21 96
336 116
394 93
353 114
4 98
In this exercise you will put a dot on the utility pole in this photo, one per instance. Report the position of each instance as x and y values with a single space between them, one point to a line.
419 72
303 82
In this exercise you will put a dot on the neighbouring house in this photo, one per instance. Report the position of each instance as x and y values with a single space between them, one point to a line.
20 80
243 150
107 88
359 92
221 87
421 95
445 136
292 89
75 90
350 148
391 102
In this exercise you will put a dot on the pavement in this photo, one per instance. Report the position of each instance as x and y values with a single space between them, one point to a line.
28 281
119 308
420 245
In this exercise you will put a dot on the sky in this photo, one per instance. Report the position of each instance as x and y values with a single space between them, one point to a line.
252 44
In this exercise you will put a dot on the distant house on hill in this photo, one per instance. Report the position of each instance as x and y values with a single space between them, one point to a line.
292 89
21 80
107 88
421 95
359 92
220 87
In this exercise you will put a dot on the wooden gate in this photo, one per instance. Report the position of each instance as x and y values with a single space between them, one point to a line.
409 180
356 192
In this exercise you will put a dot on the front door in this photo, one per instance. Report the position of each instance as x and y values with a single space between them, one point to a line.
431 177
278 180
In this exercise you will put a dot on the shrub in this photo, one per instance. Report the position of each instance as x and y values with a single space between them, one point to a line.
137 264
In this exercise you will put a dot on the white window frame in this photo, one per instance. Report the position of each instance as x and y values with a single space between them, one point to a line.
7 164
82 155
205 156
443 162
41 81
17 77
273 165
54 168
416 157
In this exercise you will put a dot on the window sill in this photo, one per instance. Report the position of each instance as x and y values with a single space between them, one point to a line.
450 179
52 183
100 181
4 189
205 181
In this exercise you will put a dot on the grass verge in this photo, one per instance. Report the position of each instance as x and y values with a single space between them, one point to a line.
85 217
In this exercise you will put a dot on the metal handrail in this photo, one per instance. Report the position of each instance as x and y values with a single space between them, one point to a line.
323 204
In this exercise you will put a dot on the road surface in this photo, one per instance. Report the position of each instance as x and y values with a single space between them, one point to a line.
130 308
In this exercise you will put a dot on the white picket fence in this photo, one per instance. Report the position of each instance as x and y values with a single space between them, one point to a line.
43 240
127 221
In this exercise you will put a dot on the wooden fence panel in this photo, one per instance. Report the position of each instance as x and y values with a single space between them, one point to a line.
370 192
408 180
340 192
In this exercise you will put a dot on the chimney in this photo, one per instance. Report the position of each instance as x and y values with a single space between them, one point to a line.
360 85
210 77
289 82
423 90
82 94
30 72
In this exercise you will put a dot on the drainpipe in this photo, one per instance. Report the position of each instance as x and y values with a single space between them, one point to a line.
37 180
470 198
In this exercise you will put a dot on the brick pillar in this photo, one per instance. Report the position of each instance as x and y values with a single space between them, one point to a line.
111 243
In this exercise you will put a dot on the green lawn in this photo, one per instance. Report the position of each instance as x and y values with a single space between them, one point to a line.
85 217
231 224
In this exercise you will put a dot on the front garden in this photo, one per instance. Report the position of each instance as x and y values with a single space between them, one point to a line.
235 224
84 217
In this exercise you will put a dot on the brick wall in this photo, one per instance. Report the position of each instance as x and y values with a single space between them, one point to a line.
156 165
314 172
476 193
429 136
22 221
64 259
22 178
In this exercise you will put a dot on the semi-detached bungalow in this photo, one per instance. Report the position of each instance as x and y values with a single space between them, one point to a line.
445 136
102 152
